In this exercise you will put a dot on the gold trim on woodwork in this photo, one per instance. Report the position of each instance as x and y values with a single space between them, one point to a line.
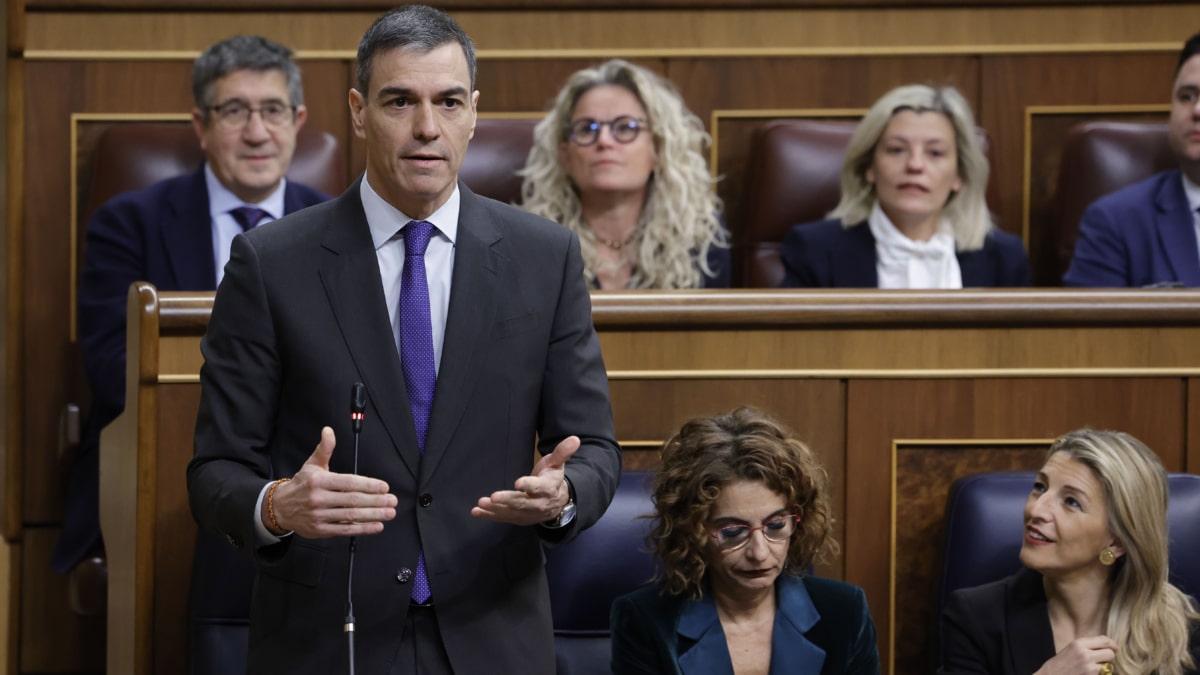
76 119
1030 111
847 374
924 442
771 113
651 53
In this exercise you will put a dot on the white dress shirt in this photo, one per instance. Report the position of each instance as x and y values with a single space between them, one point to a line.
901 262
220 202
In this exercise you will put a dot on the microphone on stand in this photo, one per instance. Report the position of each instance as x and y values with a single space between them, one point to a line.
358 407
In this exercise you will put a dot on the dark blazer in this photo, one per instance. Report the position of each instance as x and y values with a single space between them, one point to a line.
1140 235
161 234
826 255
1003 628
821 626
301 316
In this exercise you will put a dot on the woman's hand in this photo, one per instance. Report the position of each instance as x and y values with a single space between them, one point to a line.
1083 656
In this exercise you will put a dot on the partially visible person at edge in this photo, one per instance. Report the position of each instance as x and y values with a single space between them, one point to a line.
469 324
1145 234
913 212
176 234
619 161
1093 595
741 512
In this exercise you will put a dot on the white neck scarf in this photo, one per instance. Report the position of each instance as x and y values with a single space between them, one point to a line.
901 262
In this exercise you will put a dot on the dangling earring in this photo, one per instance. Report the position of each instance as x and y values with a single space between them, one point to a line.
1107 557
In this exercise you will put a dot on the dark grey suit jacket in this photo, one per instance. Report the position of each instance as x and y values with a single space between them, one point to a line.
299 317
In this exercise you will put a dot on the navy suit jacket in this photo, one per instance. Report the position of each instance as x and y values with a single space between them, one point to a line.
161 234
300 317
1140 235
1003 628
826 255
821 626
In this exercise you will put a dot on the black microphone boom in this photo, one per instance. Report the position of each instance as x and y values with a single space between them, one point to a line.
358 407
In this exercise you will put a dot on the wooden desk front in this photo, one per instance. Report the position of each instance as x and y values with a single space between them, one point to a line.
899 392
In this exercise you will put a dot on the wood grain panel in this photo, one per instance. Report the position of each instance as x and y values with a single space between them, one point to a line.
175 529
920 530
813 409
882 412
964 29
53 638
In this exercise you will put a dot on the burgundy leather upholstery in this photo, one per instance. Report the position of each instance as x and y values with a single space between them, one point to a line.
793 176
494 156
1099 158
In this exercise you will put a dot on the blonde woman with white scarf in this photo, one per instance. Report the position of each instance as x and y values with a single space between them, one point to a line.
913 211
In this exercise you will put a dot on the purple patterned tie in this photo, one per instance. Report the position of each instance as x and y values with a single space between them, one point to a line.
248 216
416 353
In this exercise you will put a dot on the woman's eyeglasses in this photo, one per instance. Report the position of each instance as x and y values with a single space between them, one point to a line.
733 537
586 131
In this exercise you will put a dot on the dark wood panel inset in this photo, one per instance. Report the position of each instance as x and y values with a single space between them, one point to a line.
920 531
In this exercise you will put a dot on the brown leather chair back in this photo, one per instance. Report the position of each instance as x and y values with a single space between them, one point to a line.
793 176
1099 158
495 155
137 155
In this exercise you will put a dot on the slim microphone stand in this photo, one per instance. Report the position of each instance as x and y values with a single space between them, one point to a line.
358 405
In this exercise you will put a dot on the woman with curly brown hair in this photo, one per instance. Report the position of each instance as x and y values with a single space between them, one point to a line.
741 511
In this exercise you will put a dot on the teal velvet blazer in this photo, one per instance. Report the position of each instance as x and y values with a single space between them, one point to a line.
821 626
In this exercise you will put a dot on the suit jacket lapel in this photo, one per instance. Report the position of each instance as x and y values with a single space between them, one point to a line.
974 269
350 274
188 230
795 615
477 265
700 625
854 259
1177 230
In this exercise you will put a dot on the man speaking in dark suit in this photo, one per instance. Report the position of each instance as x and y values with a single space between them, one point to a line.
176 234
469 323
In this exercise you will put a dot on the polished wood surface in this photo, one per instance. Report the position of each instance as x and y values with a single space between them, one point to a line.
898 392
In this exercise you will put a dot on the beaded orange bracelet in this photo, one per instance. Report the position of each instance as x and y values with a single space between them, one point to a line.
271 505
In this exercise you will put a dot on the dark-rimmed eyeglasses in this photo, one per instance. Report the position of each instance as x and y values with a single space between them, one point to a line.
236 113
777 529
586 131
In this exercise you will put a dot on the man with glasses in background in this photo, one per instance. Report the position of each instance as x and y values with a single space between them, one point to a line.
176 234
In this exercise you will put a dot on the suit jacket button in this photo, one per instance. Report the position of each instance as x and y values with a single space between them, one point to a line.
404 575
425 499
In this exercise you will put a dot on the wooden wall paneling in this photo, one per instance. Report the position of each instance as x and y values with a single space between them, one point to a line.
814 409
919 529
1017 82
881 413
175 529
53 639
11 282
327 85
53 376
1191 458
